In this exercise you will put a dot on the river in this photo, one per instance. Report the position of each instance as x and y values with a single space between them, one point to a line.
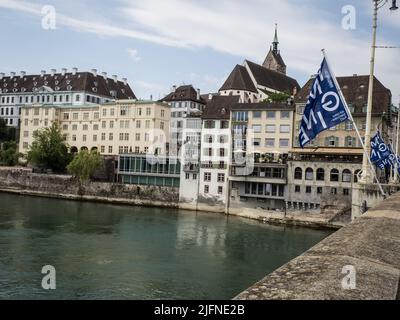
102 251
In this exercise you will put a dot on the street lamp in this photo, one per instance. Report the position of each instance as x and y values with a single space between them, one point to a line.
366 177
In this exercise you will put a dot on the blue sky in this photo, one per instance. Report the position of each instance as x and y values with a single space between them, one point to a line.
156 44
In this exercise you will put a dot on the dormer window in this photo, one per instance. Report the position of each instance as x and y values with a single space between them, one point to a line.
46 83
15 84
68 81
57 88
94 89
23 89
56 82
35 83
95 83
69 88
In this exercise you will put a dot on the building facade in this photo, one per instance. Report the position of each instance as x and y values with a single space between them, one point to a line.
261 144
322 175
64 89
122 127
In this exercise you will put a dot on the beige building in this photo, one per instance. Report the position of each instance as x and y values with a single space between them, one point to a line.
126 126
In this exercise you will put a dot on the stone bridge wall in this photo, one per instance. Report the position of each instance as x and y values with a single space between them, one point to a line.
370 245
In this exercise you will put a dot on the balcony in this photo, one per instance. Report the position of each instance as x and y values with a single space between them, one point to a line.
194 168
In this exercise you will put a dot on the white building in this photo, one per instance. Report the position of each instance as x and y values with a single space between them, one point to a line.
215 154
64 88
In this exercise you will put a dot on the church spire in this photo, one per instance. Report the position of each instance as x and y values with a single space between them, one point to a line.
276 41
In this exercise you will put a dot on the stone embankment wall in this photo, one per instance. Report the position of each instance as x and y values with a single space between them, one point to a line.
360 261
23 181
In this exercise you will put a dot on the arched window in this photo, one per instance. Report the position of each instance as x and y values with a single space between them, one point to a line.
335 175
298 174
320 174
356 173
74 150
346 176
309 174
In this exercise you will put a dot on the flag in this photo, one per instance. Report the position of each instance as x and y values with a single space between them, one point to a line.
380 151
325 106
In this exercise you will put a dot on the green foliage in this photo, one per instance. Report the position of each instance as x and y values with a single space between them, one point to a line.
6 133
49 149
8 154
278 97
85 164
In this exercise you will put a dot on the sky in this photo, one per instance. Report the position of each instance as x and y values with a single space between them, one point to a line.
160 43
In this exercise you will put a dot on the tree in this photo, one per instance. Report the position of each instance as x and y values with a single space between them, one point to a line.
278 97
6 133
49 149
85 164
8 154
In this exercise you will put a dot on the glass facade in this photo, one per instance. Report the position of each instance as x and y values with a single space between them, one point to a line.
142 170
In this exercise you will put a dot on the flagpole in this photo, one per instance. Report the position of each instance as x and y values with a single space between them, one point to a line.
354 123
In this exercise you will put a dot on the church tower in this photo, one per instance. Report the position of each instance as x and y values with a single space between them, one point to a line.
274 60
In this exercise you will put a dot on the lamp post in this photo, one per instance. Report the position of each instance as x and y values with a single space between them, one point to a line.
366 176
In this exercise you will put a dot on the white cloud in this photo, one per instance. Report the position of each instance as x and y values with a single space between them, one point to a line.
245 29
134 54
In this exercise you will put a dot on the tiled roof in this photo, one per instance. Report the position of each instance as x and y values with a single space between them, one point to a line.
183 93
219 107
239 79
272 79
355 91
80 81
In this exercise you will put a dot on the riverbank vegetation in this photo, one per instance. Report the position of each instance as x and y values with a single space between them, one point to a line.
85 164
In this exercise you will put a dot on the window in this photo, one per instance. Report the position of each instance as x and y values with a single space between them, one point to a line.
349 125
162 113
308 189
103 136
111 124
271 114
284 143
285 115
74 137
285 129
221 177
256 142
147 124
256 114
65 116
110 136
85 127
148 111
207 176
95 127
320 174
240 116
309 174
110 149
257 128
187 176
346 175
334 191
104 112
75 116
270 128
270 143
297 189
209 124
335 175
206 189
86 116
137 137
84 137
138 124
298 174
94 137
332 141
346 192
350 142
222 152
356 173
319 190
220 190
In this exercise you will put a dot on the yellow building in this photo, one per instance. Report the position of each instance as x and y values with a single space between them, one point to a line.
126 126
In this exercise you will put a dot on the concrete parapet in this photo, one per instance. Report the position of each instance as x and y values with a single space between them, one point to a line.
370 246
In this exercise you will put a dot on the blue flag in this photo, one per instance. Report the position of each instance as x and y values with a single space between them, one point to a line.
380 151
325 107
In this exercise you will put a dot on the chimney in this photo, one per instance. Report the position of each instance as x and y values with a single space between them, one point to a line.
173 88
104 74
42 73
210 96
74 71
53 72
198 94
151 97
294 91
12 74
115 78
2 75
125 80
63 71
94 72
22 74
